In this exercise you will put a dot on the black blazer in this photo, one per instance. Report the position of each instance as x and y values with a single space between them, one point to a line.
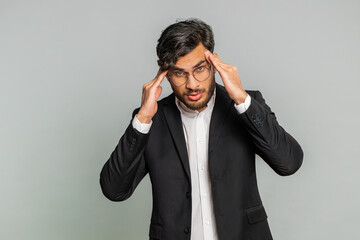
234 139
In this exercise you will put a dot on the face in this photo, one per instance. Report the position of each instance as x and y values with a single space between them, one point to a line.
194 94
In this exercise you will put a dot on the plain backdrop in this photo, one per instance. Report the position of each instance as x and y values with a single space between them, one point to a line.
71 74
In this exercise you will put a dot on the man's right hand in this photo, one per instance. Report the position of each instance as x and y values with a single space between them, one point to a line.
150 94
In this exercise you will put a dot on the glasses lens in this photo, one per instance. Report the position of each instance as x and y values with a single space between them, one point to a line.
178 78
202 73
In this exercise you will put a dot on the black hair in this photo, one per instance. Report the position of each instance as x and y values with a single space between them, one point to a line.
180 38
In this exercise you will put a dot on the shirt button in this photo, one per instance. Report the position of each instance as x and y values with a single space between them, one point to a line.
186 230
207 222
188 194
202 167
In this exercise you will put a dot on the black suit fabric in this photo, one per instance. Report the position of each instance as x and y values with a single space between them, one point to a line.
234 139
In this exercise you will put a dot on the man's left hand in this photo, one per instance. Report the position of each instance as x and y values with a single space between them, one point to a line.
229 76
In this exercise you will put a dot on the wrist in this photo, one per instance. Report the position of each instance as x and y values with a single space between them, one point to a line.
143 119
240 99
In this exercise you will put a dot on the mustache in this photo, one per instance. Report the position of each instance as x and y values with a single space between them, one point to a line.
189 92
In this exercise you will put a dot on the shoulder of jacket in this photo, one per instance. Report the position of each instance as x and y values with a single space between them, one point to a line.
166 100
252 93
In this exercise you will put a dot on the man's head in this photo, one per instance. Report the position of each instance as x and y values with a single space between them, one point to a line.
181 50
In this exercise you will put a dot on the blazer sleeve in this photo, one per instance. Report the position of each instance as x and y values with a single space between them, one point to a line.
126 166
272 143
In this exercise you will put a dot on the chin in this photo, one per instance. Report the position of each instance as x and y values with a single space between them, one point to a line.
201 103
195 107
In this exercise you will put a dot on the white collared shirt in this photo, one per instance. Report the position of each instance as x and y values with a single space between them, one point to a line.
196 131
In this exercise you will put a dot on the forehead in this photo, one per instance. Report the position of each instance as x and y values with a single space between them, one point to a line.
192 58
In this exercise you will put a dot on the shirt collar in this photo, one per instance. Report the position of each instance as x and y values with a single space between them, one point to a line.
193 113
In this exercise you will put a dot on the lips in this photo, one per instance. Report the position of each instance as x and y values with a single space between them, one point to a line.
195 97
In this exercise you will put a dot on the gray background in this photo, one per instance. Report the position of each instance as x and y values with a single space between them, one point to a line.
71 73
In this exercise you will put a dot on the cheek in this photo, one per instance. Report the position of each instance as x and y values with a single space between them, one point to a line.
178 91
208 84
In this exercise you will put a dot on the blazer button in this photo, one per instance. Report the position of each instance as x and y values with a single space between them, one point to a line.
188 194
186 230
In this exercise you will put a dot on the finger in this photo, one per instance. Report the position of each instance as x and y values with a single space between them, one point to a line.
158 92
219 65
154 79
158 73
211 58
160 78
157 76
216 58
226 66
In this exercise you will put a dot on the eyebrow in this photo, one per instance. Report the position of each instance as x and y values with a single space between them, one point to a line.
182 69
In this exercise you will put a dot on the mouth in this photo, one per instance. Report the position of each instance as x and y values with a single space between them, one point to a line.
195 96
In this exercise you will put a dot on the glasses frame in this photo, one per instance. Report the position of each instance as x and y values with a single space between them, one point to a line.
208 66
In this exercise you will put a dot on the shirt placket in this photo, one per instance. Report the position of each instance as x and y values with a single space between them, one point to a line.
203 175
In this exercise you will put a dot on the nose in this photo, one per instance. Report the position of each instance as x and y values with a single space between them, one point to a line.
192 83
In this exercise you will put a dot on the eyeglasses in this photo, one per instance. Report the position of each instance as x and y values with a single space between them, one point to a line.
179 78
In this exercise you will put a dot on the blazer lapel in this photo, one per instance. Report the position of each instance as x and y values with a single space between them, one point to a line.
173 119
219 114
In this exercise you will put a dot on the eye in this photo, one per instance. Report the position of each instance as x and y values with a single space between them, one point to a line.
200 69
179 74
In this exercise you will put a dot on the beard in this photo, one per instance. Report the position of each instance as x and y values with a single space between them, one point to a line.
203 103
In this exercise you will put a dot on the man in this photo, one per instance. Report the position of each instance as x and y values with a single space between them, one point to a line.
198 145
